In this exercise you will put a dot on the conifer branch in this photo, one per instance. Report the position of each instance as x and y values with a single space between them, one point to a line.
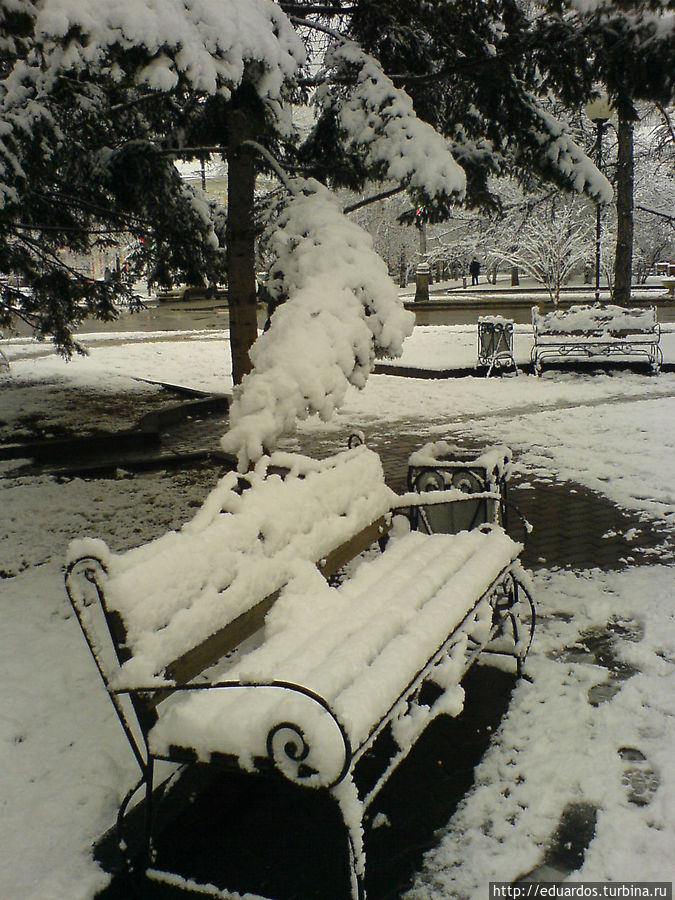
374 199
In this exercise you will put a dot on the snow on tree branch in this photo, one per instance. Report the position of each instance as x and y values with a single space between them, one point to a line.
568 158
655 15
379 119
551 244
150 44
341 307
207 43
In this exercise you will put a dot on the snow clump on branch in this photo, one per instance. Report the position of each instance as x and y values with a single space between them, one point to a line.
379 118
567 157
342 306
206 43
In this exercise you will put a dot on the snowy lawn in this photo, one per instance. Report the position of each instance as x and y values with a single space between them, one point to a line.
65 763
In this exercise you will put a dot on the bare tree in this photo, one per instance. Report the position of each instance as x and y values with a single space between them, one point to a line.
654 192
552 243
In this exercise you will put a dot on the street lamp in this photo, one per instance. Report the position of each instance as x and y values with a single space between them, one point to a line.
599 112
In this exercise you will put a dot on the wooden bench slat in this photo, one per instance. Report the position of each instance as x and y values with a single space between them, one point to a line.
226 639
351 548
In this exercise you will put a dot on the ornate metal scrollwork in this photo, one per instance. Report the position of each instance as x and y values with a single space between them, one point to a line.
290 750
295 748
87 570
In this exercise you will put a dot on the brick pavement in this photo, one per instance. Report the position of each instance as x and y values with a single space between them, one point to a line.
575 527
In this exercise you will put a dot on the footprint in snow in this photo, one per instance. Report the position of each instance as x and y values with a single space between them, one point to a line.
639 778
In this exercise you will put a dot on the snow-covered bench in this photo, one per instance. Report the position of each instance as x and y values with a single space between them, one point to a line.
303 674
596 332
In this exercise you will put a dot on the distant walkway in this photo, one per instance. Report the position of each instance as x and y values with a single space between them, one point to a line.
527 285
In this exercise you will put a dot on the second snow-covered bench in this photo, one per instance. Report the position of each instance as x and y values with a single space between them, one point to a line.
304 674
597 333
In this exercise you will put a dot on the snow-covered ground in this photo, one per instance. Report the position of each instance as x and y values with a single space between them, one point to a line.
65 764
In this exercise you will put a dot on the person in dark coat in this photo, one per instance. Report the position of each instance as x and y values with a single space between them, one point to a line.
474 270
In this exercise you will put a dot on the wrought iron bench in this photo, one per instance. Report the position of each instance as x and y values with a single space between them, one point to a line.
306 669
597 333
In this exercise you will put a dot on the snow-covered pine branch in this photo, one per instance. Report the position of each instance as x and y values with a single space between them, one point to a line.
206 44
153 45
378 120
79 79
564 155
342 307
653 20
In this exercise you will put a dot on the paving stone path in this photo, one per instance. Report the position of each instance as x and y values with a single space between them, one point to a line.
572 527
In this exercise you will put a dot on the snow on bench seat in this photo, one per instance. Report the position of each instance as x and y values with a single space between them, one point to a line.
594 323
356 646
176 591
595 320
596 332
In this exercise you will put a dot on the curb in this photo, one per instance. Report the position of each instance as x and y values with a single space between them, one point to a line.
524 368
113 468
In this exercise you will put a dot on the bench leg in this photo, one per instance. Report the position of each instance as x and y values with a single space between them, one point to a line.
656 359
137 856
356 879
352 810
149 774
507 624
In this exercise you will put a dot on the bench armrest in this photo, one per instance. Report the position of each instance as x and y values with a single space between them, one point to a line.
431 498
306 753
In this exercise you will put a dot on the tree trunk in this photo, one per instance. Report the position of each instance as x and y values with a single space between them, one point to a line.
241 236
623 262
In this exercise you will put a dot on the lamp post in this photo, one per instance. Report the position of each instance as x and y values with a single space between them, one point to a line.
599 112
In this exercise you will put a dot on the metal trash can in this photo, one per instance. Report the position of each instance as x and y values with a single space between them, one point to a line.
495 343
440 466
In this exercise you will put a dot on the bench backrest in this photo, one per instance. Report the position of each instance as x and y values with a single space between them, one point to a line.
591 320
176 605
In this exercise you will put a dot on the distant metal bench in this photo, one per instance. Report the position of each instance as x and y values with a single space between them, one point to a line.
596 333
307 675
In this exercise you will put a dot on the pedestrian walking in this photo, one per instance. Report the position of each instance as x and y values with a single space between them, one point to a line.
474 270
